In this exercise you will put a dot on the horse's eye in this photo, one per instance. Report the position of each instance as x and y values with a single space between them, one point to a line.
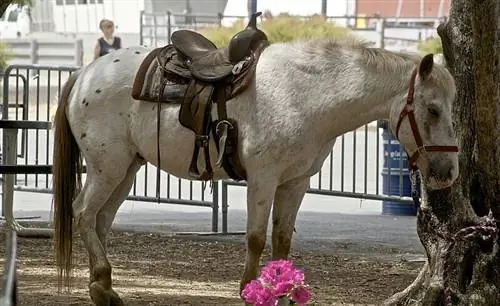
434 112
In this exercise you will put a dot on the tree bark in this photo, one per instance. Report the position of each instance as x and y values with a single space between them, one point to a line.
457 225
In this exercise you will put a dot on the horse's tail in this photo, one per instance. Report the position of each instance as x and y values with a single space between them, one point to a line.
66 177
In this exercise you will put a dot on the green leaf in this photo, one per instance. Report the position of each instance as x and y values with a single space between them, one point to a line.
432 45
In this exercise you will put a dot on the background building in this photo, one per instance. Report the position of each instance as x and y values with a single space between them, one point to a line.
403 8
80 16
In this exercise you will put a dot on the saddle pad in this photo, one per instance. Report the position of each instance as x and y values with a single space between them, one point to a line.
161 77
147 80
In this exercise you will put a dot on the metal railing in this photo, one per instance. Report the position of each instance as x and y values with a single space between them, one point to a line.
353 170
32 95
156 28
8 295
47 52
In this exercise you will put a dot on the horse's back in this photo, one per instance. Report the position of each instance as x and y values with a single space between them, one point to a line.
100 102
117 68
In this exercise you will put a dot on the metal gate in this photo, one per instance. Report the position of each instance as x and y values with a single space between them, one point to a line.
353 170
156 28
30 92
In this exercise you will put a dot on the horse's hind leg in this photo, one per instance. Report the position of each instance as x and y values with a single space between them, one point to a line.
103 178
287 201
108 211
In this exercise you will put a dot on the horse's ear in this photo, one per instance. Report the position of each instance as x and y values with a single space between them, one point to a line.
426 64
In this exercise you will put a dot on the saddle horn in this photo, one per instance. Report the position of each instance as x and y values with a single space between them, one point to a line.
245 40
252 23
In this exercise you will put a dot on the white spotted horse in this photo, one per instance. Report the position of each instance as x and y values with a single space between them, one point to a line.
278 109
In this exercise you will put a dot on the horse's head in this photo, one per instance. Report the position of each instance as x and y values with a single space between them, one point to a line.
422 122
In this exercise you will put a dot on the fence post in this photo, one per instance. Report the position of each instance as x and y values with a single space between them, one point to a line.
79 52
224 207
169 26
215 208
220 16
34 46
380 28
141 28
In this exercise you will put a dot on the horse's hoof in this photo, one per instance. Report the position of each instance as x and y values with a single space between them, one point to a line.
104 297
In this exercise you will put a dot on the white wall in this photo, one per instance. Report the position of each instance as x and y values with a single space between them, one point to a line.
85 17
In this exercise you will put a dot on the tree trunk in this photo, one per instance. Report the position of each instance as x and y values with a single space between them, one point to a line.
457 225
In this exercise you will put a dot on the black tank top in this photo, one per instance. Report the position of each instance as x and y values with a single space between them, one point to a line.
106 48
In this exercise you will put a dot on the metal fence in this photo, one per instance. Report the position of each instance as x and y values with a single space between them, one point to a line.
47 52
30 92
156 28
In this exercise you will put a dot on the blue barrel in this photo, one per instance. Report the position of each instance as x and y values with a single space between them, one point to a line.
394 172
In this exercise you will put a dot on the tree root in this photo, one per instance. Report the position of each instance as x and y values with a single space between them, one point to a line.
460 267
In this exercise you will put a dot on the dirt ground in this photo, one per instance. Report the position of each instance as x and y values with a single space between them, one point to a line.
159 269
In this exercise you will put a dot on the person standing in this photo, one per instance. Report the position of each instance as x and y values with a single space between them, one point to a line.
108 42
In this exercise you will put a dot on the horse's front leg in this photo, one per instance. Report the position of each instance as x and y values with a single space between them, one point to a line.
287 202
260 194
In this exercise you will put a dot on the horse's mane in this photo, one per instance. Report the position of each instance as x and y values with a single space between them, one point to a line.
324 50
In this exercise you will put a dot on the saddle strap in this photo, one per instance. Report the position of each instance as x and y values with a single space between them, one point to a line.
225 132
195 114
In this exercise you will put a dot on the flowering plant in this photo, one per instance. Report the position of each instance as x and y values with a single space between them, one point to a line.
278 279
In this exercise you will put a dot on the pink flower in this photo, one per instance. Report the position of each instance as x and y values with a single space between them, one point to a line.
274 270
266 298
282 288
280 271
251 292
277 279
301 295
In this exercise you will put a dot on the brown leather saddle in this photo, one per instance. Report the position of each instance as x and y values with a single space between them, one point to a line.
193 72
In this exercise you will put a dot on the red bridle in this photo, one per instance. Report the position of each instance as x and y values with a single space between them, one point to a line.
408 110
